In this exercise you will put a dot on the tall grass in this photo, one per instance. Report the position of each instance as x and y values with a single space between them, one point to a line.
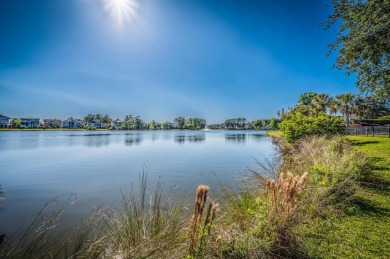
201 224
146 227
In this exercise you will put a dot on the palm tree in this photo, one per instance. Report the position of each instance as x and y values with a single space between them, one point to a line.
346 105
333 106
319 103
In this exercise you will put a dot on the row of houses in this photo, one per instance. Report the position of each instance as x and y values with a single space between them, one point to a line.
34 122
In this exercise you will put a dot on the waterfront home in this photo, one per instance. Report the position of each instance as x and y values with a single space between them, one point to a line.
72 123
97 124
5 122
52 123
116 124
29 122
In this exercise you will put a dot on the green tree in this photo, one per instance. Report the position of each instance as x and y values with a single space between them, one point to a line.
89 118
346 105
133 123
298 125
257 124
369 108
306 98
154 125
362 43
264 124
195 123
319 103
333 106
273 124
15 123
165 125
106 119
179 122
236 123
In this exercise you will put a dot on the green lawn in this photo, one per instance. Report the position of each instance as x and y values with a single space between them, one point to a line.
364 230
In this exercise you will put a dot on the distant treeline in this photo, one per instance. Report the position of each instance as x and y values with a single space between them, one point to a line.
242 124
133 122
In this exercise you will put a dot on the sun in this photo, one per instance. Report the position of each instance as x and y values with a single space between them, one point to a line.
122 11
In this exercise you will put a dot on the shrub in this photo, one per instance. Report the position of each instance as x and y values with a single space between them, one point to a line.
334 167
297 125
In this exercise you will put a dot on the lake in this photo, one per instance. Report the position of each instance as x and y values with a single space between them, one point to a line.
85 169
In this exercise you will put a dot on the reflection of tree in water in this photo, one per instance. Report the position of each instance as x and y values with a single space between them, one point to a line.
133 140
181 139
97 140
238 138
258 137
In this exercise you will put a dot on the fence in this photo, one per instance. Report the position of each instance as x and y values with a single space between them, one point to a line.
378 131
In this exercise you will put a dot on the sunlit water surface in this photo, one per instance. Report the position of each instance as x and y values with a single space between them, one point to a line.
86 169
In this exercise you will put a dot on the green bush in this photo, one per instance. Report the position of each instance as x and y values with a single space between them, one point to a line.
297 125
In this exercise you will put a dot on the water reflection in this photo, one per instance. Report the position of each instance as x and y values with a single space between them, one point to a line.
258 137
97 140
133 140
45 139
155 136
181 139
236 138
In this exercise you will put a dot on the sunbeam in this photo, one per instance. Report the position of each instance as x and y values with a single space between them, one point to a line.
121 11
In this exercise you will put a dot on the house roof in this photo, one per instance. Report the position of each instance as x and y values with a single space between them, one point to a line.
3 116
71 119
29 117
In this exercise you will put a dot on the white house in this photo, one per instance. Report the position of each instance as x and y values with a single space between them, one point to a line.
29 122
97 124
116 123
5 122
71 123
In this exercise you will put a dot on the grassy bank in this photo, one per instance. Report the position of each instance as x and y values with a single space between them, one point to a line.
364 229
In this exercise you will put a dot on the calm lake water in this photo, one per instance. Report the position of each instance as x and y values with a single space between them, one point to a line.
85 169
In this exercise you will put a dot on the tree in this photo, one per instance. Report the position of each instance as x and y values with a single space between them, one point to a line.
154 125
346 105
264 124
179 122
195 123
319 103
15 123
257 124
99 117
166 125
106 119
89 118
306 98
236 123
369 108
363 43
273 124
133 123
298 125
333 106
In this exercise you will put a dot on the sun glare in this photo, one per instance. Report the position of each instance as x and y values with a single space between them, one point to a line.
122 11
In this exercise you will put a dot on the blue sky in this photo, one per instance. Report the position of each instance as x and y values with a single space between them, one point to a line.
195 58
